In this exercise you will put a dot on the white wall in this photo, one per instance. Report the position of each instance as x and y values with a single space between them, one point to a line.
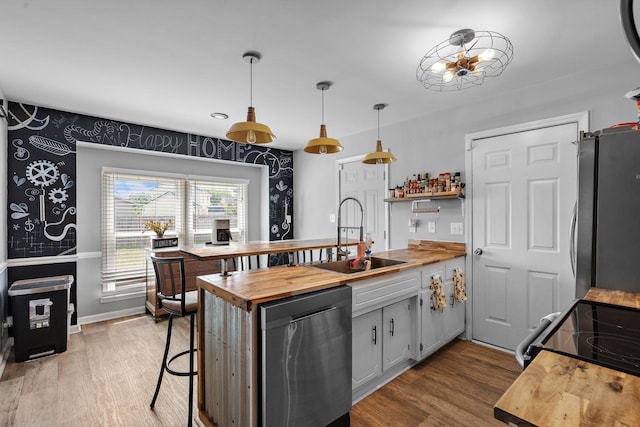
435 143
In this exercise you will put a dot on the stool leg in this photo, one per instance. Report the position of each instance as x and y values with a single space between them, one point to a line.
164 361
191 370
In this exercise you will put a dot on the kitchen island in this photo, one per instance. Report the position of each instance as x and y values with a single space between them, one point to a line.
228 323
557 390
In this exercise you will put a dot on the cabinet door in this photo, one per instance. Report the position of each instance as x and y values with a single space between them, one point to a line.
367 347
431 324
398 333
454 314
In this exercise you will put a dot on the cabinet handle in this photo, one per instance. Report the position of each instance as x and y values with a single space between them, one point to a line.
453 300
375 335
392 327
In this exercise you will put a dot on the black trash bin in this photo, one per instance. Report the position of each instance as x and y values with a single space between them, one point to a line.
40 307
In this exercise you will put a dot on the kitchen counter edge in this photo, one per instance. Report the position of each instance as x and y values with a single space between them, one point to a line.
246 289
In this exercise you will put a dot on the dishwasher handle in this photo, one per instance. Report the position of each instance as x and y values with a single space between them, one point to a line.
521 349
303 316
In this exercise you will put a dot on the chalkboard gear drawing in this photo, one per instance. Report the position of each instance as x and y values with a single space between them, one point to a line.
58 195
42 173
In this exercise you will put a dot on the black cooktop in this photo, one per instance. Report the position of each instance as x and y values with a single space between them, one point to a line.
604 334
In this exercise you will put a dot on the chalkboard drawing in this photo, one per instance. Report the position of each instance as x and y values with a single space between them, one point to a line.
287 219
58 195
59 237
19 210
42 173
50 146
21 152
18 180
25 117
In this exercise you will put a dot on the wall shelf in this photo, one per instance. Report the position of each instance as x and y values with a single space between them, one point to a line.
448 195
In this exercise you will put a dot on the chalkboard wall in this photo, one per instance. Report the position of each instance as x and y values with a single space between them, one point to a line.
42 163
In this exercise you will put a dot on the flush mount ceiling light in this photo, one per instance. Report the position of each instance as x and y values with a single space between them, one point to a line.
251 132
464 60
379 157
323 145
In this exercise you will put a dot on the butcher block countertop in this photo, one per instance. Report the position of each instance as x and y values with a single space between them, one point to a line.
245 289
208 253
556 390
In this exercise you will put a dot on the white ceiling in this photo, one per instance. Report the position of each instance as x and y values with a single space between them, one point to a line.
169 63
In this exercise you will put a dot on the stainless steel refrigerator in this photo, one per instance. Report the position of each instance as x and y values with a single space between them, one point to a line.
607 232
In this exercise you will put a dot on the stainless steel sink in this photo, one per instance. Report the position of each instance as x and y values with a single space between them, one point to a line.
346 266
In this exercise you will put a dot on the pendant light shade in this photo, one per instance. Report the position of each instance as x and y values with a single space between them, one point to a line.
323 144
251 132
379 157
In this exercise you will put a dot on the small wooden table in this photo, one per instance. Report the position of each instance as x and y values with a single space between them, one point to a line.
557 390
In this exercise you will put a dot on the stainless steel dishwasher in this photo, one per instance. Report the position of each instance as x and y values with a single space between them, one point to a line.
305 354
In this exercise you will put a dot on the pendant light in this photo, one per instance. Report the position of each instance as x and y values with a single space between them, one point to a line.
379 157
251 132
323 145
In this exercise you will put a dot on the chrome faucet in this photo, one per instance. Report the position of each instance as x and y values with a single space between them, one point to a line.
340 252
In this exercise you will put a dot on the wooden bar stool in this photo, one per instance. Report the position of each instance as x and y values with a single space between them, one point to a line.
175 300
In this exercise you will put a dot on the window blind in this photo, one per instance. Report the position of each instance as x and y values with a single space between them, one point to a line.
208 201
128 202
191 205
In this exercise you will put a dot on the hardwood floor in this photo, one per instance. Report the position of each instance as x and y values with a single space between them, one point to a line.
456 386
108 373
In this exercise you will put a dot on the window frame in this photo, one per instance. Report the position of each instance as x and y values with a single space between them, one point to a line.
183 227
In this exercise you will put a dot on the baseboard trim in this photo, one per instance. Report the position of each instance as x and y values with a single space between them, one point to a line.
110 315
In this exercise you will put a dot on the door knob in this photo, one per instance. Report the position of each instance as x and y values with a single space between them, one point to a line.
478 251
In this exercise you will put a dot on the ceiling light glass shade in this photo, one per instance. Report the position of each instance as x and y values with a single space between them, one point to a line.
251 132
323 145
379 157
465 59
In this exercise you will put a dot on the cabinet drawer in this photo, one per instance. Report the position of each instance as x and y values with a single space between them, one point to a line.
374 293
452 265
429 271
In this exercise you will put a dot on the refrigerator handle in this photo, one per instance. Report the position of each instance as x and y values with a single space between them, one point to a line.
572 239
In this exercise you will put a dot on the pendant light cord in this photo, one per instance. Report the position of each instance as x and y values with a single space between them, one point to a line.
378 125
251 82
323 106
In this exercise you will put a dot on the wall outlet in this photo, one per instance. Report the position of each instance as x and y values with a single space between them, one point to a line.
456 228
431 226
332 218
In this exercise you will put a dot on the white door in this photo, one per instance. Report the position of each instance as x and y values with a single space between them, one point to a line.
367 184
523 190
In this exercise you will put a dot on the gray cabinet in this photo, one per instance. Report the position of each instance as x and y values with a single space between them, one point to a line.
383 329
366 333
438 327
398 333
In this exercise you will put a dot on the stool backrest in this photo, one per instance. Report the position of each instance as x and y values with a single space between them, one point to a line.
170 281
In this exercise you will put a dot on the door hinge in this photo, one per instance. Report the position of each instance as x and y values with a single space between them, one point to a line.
421 302
421 347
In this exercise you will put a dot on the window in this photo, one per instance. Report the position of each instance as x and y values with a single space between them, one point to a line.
191 205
